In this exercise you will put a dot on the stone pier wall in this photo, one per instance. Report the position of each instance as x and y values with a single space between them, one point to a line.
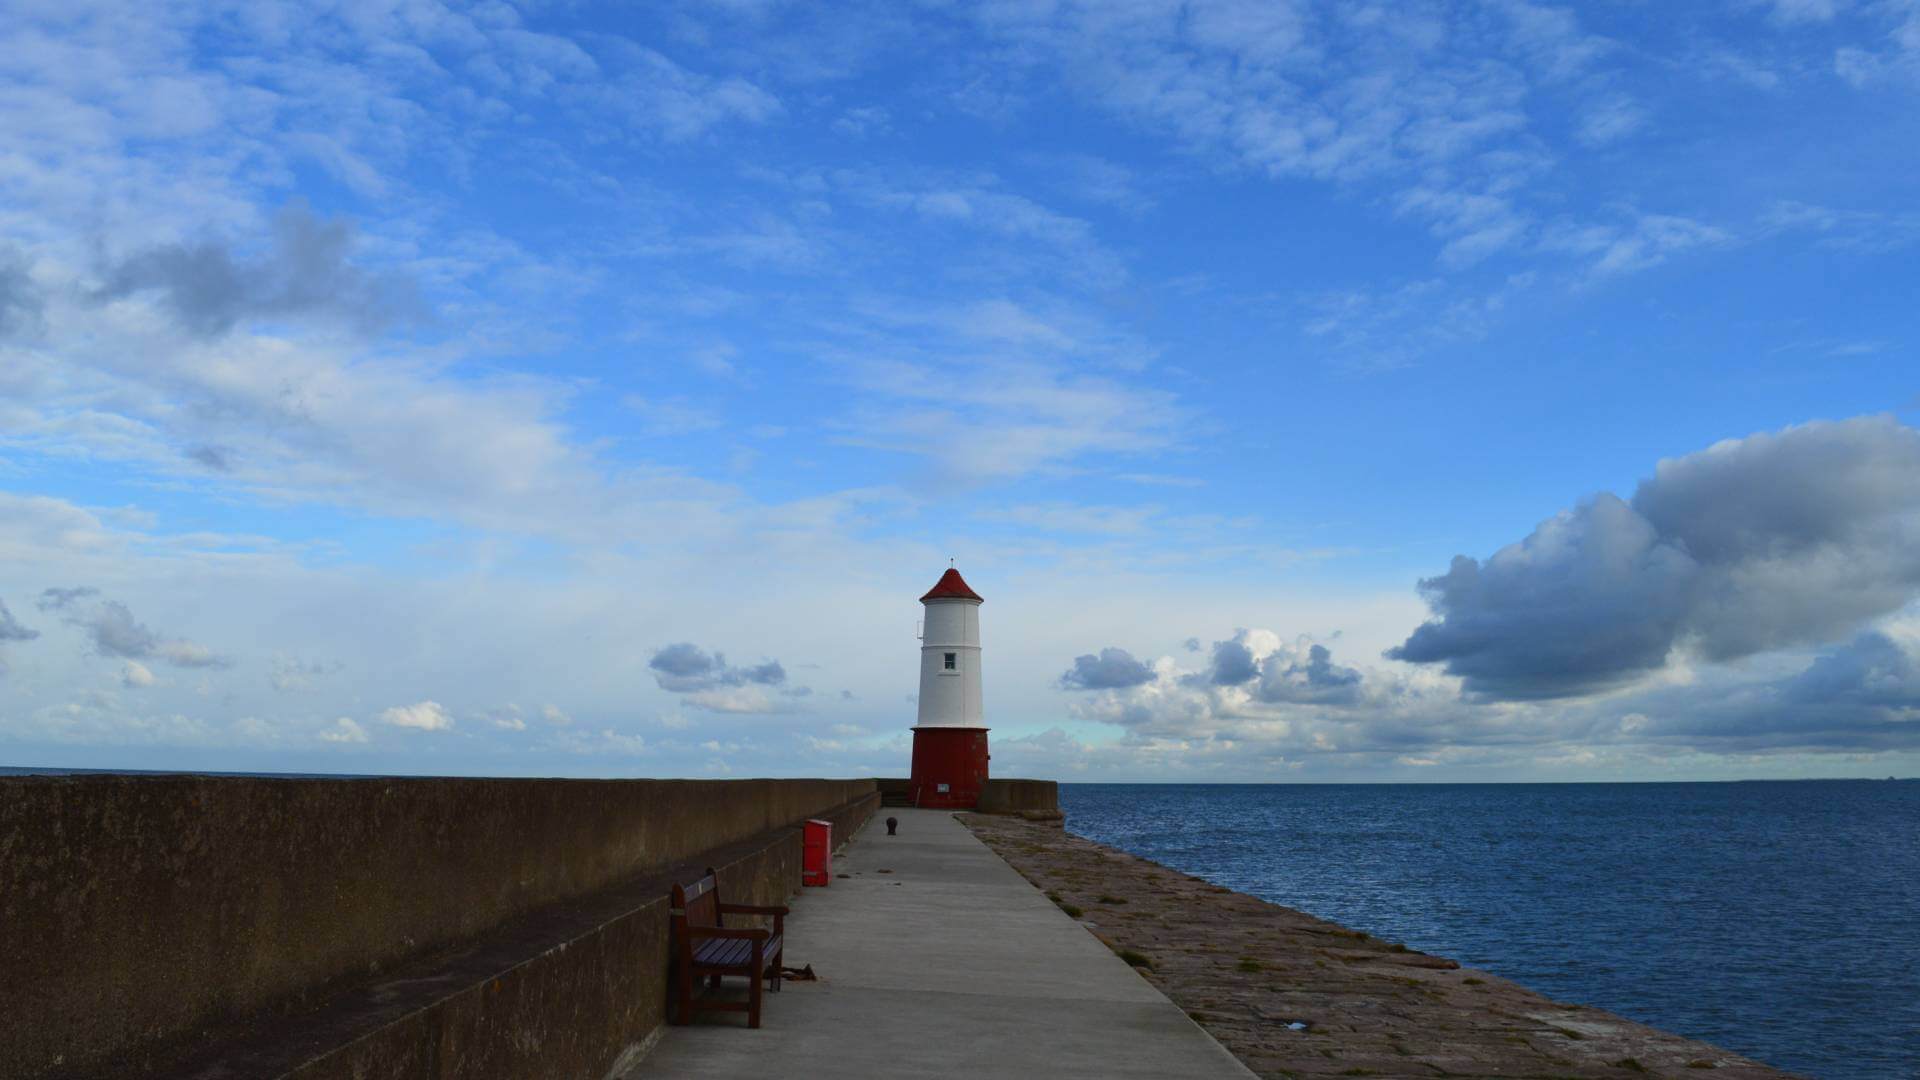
1020 796
152 920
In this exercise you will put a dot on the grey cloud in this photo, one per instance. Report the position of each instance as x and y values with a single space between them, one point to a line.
1590 600
1753 544
115 632
217 458
1317 680
21 305
56 599
305 272
1802 534
767 674
1858 697
290 673
1113 669
10 628
684 660
685 668
1299 673
1307 710
1872 670
1233 662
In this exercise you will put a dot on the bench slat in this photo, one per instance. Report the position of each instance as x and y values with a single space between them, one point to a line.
734 953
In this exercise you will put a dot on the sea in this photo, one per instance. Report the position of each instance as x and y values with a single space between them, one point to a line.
1778 919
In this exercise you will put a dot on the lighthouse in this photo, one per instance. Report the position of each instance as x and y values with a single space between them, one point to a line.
949 741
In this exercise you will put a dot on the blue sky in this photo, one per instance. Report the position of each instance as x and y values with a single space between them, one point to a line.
384 386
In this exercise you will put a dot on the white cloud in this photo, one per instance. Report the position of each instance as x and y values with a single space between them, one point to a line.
422 716
863 122
656 93
1799 11
604 741
344 730
670 418
1070 518
134 674
1867 231
1641 241
1896 59
1433 104
1007 420
741 700
290 674
1611 120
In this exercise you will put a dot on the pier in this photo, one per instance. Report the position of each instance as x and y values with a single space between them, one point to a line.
935 958
402 929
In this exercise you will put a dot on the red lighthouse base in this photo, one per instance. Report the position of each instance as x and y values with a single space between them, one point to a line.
949 767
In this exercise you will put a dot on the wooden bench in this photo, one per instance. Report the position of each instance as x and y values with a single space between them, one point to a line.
705 947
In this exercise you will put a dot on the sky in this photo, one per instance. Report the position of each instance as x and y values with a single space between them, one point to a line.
1454 391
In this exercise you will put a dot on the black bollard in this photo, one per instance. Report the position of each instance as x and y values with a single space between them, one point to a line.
892 824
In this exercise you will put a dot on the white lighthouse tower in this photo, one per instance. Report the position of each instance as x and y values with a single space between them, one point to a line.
949 740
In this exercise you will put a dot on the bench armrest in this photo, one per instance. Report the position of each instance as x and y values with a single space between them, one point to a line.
743 934
778 911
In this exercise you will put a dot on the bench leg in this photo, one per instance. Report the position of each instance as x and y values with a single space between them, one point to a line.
683 986
753 993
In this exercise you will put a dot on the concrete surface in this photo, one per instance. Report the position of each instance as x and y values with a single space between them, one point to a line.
936 959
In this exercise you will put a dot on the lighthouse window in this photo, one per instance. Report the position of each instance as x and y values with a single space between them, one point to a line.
953 661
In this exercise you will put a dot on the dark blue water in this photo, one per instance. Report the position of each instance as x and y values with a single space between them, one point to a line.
1777 919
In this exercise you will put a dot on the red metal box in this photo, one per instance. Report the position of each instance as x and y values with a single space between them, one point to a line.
816 856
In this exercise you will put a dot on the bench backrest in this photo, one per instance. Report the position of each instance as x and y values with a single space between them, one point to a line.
696 904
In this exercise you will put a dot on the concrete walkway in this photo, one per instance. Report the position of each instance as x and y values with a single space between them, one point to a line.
949 966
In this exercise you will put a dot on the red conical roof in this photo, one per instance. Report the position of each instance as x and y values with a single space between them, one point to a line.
951 586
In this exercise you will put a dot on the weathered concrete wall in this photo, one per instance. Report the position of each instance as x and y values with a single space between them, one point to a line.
1016 796
140 908
997 797
564 993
